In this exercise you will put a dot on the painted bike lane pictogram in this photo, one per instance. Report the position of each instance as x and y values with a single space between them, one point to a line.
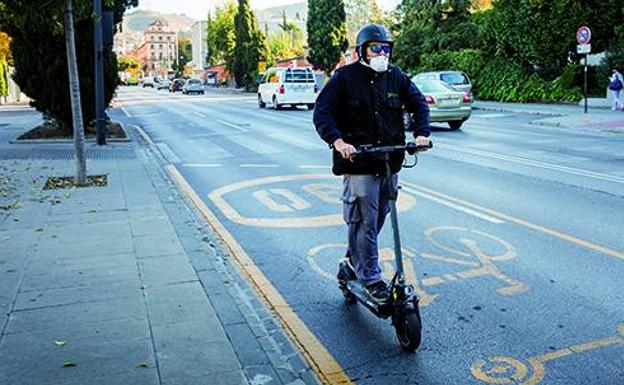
291 226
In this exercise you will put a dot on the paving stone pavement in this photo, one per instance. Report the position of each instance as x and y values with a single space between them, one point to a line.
123 284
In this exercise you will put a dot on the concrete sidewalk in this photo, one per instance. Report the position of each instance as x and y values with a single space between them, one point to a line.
569 116
121 284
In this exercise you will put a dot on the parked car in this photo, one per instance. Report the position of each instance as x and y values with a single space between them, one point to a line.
193 86
287 86
147 82
176 85
446 104
455 79
163 84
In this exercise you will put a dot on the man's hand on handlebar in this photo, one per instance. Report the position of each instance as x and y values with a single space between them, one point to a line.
345 149
422 141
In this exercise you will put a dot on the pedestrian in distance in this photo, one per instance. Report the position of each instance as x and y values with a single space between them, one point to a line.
616 83
362 104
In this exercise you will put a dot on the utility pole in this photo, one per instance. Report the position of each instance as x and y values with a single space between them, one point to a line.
99 74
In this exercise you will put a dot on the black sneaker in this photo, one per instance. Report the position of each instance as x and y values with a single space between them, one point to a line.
379 291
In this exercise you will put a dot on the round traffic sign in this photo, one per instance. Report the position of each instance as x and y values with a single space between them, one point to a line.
583 35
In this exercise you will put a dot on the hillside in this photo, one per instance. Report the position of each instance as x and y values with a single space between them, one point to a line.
138 21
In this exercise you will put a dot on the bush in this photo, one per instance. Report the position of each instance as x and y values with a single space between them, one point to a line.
504 81
471 61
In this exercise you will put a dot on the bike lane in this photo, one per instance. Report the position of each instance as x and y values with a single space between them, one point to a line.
501 301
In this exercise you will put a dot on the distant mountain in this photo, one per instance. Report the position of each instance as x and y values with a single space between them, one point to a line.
139 20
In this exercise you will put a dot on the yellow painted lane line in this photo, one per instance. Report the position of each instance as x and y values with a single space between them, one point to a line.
533 226
323 363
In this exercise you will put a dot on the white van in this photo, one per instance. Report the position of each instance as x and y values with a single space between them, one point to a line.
291 86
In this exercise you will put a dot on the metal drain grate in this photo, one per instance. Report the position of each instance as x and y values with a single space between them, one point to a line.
66 153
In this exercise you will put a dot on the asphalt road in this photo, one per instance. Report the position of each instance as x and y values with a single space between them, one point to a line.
512 232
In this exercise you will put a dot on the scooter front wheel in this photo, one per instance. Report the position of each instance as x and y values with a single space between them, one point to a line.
408 329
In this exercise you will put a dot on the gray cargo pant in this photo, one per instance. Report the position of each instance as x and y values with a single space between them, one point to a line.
366 204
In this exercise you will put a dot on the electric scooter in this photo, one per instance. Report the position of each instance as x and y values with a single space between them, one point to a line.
402 303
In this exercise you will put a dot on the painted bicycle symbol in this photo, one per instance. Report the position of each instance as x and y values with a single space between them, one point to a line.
459 247
508 370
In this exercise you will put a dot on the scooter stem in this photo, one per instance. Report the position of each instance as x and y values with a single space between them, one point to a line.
398 255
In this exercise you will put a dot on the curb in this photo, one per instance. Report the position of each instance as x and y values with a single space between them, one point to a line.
518 111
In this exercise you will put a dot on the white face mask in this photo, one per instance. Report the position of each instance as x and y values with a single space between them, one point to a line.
379 63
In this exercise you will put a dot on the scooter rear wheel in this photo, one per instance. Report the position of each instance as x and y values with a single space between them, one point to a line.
408 329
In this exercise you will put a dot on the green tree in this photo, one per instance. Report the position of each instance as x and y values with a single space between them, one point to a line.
38 37
128 62
220 36
282 45
286 25
185 55
4 76
538 35
360 13
251 48
327 33
5 58
435 25
285 44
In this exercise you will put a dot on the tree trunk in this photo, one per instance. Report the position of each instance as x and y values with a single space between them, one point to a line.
74 88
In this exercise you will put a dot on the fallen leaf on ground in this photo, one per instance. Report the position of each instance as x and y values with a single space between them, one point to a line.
68 364
142 364
59 343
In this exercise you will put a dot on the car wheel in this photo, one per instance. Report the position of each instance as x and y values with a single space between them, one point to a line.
310 106
455 125
261 104
276 105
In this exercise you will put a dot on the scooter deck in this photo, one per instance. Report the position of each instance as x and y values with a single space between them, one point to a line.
380 309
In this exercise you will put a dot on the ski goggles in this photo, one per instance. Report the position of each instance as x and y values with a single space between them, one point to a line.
378 48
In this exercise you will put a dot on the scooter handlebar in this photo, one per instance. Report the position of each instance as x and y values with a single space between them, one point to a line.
410 147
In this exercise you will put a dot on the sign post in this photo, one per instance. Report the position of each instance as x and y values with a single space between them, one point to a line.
583 37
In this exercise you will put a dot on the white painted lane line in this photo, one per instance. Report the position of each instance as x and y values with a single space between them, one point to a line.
126 112
200 114
450 204
251 165
202 165
535 163
315 166
294 139
489 116
232 125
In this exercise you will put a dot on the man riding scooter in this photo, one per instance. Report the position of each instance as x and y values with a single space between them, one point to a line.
362 104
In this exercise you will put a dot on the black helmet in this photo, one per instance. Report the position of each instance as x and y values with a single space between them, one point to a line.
369 33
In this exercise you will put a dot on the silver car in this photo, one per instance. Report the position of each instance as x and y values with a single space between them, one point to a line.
446 104
193 86
456 79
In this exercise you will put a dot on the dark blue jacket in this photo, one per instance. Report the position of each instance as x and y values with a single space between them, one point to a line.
362 107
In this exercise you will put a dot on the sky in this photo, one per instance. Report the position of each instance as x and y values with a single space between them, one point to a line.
198 9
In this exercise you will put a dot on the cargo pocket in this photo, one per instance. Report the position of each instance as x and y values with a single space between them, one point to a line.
351 209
